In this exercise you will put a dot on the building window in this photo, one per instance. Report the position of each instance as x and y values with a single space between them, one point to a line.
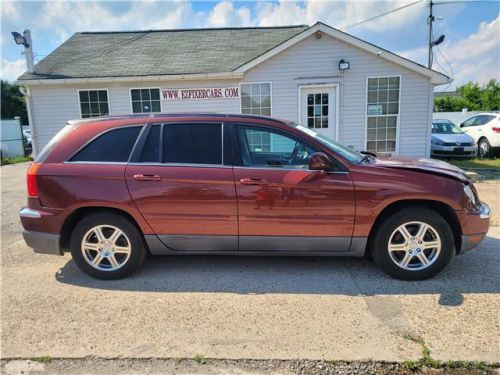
317 110
382 113
256 98
145 100
94 103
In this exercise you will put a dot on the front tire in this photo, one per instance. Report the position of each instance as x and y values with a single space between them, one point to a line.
484 148
413 244
107 246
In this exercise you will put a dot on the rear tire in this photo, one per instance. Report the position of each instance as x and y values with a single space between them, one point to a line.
107 246
413 244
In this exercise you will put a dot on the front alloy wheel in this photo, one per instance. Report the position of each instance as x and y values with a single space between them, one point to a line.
413 244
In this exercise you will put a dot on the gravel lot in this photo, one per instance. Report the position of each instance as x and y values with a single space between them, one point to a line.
233 308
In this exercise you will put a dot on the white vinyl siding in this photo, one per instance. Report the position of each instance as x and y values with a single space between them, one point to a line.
315 61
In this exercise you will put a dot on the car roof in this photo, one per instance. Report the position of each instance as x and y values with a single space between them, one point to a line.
438 120
144 118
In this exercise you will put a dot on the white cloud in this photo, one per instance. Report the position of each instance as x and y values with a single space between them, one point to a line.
11 69
474 58
225 14
340 13
10 10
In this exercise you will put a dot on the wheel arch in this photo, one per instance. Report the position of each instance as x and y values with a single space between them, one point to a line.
441 208
80 213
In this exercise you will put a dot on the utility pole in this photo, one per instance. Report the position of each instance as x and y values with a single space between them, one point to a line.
430 20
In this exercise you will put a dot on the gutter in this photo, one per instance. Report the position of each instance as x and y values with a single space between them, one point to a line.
171 77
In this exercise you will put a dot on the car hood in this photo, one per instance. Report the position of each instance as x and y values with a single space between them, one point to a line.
423 165
453 138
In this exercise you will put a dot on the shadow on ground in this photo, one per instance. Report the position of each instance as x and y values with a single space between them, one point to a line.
474 272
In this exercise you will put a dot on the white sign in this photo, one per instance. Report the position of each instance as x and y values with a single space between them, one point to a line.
201 94
374 109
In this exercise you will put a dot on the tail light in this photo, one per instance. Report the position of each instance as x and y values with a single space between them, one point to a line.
496 129
31 179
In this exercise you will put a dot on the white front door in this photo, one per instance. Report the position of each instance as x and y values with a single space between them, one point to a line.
318 109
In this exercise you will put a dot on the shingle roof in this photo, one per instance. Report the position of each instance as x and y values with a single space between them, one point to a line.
159 52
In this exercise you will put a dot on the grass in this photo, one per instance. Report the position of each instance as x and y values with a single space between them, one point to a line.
200 359
42 359
427 360
476 163
18 159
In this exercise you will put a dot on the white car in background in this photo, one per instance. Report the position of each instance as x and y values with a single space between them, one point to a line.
485 129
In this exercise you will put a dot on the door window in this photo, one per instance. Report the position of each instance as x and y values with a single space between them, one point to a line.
317 110
263 147
483 119
470 121
192 143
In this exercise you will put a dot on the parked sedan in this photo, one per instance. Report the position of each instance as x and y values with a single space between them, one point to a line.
448 141
112 190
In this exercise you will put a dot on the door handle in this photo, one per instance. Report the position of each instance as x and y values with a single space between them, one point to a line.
147 177
253 181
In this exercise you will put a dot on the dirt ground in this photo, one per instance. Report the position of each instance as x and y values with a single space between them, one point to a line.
233 308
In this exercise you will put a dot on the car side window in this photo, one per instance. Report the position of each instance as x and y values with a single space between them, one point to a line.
112 146
264 147
151 149
469 122
192 144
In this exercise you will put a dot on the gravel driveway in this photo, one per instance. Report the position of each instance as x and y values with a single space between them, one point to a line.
231 307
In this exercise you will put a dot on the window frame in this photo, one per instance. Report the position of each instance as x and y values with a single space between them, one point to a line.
137 151
260 83
237 156
80 104
398 116
143 88
132 151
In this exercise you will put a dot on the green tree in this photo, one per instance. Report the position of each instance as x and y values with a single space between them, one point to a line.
471 96
13 102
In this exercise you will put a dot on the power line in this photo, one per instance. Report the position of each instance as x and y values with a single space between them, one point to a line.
380 15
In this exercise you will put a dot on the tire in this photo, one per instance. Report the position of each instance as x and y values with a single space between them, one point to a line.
406 260
484 148
114 258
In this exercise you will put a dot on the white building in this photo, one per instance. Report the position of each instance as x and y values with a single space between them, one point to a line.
358 94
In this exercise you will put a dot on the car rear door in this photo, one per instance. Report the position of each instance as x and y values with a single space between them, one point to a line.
184 187
282 205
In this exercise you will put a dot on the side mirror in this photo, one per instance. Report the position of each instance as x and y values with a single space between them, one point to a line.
461 125
320 162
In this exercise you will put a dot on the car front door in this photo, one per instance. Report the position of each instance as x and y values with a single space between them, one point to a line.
184 188
283 206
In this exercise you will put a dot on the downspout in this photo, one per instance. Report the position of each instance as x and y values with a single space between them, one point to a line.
429 120
34 139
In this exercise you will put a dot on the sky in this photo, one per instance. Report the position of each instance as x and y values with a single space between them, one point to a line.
471 50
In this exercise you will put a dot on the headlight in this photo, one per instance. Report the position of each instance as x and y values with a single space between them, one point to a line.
470 194
437 142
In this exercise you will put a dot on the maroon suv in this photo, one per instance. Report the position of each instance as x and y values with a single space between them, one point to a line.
112 190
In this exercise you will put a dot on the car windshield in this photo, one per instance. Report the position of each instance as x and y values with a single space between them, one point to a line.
445 128
345 152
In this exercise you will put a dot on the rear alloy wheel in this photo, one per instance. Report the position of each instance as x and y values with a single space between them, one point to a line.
107 246
484 148
413 244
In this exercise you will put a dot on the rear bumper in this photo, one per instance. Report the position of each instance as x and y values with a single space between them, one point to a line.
43 243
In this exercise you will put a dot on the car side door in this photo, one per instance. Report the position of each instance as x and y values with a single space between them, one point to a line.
184 187
284 206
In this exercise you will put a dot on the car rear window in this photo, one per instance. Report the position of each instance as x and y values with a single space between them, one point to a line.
192 143
53 142
112 146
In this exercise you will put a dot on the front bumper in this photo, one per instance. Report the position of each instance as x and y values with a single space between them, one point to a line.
453 151
43 243
478 222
